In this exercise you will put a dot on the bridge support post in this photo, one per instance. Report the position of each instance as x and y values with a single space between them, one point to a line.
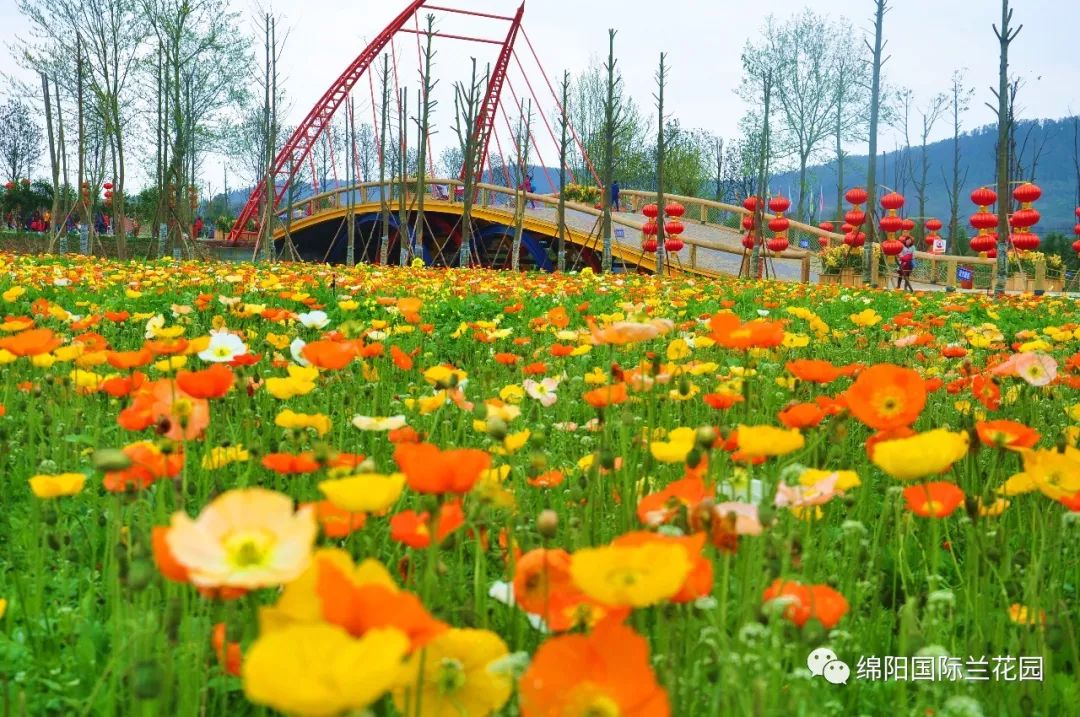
1040 278
693 256
805 273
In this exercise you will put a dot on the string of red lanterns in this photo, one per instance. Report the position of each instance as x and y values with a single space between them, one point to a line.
1022 238
855 218
985 242
673 228
892 223
779 224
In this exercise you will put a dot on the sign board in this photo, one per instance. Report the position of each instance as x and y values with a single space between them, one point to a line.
804 243
939 247
620 233
964 274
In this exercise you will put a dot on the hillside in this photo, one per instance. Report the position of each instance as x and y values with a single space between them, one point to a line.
1055 172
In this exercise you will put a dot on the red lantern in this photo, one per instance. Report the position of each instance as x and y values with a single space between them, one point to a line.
750 204
674 245
982 243
748 222
651 211
650 245
777 244
1076 245
674 227
909 225
748 241
891 224
930 238
856 217
1076 230
856 196
891 247
107 186
1025 218
983 197
674 209
934 225
1024 241
650 228
892 201
823 241
984 220
779 204
11 185
826 227
1078 211
779 225
25 182
1027 193
846 228
855 239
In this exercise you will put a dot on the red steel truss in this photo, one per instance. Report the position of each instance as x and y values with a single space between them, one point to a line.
485 121
300 144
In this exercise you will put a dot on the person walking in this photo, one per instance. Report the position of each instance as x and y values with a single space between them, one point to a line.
616 201
907 265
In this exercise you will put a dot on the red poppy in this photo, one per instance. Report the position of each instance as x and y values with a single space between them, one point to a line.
401 359
722 401
228 654
148 464
335 522
808 602
414 529
801 415
329 355
1006 434
606 395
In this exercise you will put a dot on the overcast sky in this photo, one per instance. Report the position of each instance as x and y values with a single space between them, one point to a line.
928 39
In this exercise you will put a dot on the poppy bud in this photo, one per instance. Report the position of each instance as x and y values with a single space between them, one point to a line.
146 680
607 460
110 459
693 458
368 466
140 574
547 523
496 428
706 437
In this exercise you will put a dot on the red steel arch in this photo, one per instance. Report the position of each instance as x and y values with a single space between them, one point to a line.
299 146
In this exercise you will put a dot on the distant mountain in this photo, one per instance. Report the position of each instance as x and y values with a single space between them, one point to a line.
1051 140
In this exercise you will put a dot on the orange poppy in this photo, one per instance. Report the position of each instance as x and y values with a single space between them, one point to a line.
148 464
807 602
228 653
606 396
535 369
722 401
730 332
663 506
430 470
182 417
802 415
987 392
335 522
117 316
954 352
330 355
405 434
507 359
213 382
606 672
360 608
414 529
401 359
92 340
933 500
290 464
816 371
543 587
550 479
125 360
31 343
120 386
561 350
886 397
1006 434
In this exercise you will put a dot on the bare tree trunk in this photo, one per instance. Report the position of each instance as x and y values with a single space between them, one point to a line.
1004 114
384 191
609 153
756 267
426 105
564 145
661 238
875 113
404 239
54 164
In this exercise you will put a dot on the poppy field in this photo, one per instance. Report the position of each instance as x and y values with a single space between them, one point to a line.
308 490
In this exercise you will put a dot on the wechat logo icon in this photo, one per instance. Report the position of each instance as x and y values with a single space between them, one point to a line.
823 662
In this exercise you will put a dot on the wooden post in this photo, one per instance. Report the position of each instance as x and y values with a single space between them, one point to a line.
806 269
950 275
693 256
483 197
875 272
363 194
704 213
1040 278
